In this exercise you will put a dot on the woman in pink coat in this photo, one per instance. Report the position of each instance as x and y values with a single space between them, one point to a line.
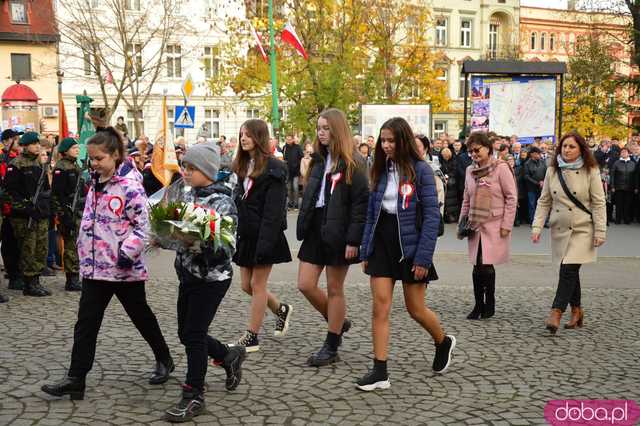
490 200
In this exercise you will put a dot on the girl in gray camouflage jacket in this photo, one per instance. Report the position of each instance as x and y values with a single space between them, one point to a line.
205 276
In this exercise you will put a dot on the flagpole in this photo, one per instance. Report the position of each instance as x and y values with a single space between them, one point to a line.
275 116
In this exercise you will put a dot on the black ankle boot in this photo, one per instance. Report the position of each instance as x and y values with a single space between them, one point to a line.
16 283
490 295
162 371
73 282
32 287
478 291
72 386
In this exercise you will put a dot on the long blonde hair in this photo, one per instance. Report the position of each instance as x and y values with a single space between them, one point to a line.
340 142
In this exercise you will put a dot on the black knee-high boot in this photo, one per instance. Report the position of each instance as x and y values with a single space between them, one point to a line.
489 280
478 292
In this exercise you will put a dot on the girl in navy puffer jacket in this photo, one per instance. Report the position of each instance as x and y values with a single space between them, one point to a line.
398 244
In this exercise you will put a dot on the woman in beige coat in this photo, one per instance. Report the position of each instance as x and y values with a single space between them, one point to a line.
577 229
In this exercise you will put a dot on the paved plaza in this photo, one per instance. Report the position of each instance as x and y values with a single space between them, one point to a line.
505 369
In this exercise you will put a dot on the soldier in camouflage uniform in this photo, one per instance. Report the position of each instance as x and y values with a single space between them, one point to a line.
63 189
30 221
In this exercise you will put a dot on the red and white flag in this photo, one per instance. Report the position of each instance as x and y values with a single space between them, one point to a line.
289 36
109 78
259 44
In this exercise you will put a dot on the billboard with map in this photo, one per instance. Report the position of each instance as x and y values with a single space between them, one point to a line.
522 106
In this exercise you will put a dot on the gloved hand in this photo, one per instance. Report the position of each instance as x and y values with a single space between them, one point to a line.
124 262
32 212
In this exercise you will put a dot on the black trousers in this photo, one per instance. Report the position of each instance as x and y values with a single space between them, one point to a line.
624 204
95 298
198 303
568 291
10 250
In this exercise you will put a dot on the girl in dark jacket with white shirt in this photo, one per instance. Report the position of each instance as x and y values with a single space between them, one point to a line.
398 244
330 225
261 199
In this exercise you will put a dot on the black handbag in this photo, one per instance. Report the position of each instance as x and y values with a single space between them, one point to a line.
572 197
464 228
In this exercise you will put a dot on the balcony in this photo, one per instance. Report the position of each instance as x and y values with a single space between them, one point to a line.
501 52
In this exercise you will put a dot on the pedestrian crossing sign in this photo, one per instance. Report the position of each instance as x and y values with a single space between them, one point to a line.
185 117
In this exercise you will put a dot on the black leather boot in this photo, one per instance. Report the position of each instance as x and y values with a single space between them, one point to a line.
73 282
162 371
3 299
16 283
33 288
478 292
39 285
490 294
72 386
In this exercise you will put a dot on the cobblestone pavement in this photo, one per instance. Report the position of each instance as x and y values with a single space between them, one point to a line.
505 369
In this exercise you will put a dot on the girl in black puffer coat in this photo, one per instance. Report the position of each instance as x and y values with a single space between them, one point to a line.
449 166
330 225
261 200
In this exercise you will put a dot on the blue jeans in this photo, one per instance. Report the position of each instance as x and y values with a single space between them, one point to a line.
533 203
53 255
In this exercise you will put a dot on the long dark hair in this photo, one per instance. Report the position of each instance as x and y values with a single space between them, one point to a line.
258 130
406 151
587 156
110 140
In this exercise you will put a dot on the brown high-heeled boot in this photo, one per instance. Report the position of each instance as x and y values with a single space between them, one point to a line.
553 322
577 318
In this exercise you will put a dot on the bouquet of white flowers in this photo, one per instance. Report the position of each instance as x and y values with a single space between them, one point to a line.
176 223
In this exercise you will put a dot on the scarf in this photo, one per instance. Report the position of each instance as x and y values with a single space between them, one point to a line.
480 208
578 164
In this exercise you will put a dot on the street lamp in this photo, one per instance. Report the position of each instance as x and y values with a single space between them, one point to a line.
60 75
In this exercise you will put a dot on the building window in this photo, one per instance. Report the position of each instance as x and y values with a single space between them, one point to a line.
91 64
20 67
132 4
552 42
439 128
461 88
465 33
543 37
171 114
572 42
134 53
253 113
211 61
441 32
174 61
18 9
493 40
533 40
443 75
93 3
131 123
212 120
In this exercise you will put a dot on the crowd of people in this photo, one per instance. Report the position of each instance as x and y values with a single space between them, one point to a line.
381 203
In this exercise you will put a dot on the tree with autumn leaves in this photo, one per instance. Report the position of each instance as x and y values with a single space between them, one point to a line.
594 102
360 51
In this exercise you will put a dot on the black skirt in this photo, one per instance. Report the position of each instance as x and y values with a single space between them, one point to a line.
315 251
385 261
245 255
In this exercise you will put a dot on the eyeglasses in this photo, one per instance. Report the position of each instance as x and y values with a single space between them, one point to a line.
476 150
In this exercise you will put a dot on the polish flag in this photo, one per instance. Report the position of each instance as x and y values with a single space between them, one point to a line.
259 44
289 36
109 78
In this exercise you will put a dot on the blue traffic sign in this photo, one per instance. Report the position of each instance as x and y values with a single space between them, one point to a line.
185 117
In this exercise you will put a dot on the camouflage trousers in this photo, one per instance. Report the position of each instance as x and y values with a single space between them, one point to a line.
33 243
70 256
